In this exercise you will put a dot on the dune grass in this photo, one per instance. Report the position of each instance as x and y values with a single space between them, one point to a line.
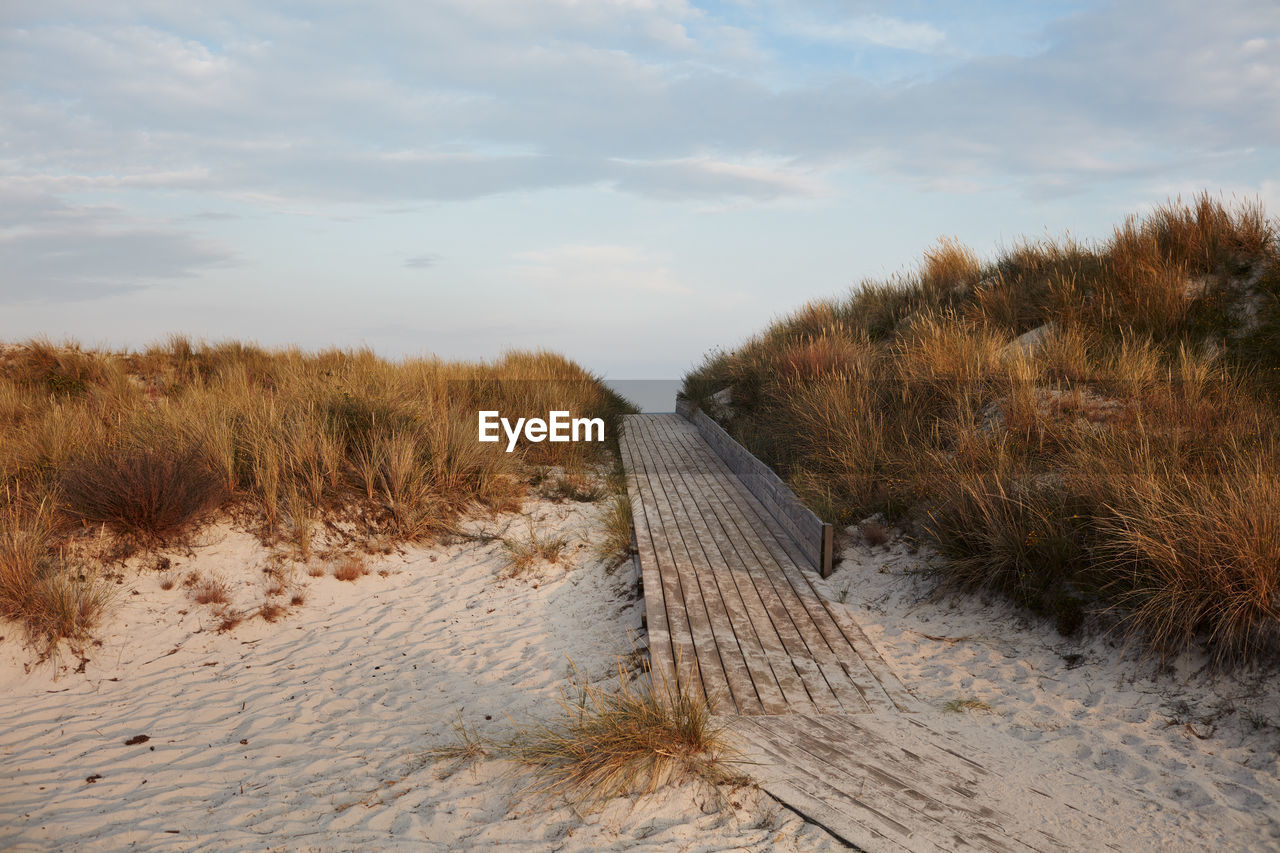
609 743
606 743
1084 428
147 445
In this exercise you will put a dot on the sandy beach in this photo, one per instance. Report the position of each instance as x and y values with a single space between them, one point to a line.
310 732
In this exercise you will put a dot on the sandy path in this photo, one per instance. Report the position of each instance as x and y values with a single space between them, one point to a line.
309 733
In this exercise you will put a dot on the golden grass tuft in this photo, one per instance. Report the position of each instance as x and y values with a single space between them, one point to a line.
616 526
40 587
210 591
605 744
524 554
350 568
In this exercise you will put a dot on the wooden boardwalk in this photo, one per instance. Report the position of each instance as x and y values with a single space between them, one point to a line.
825 726
731 613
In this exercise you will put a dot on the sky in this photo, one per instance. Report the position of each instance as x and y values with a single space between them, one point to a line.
630 182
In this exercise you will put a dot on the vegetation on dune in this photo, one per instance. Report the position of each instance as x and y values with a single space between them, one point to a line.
145 445
605 744
1080 427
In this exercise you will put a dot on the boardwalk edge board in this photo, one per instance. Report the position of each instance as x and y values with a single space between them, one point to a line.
814 537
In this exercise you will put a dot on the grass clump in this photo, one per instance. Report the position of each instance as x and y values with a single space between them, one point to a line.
524 554
605 744
1085 428
615 540
350 569
52 596
959 706
147 488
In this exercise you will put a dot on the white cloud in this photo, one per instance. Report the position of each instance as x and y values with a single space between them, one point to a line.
607 270
51 250
882 30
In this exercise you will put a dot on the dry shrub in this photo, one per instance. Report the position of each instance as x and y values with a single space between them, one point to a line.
607 744
210 591
271 611
351 568
1191 556
522 555
948 266
148 489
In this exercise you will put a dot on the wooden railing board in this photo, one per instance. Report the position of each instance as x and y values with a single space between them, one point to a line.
814 536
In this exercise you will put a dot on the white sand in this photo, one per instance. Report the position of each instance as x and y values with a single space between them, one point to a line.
337 703
309 733
1184 759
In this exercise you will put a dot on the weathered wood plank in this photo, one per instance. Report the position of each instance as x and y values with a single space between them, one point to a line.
758 692
777 683
743 514
682 583
684 660
811 534
662 654
781 622
862 782
841 634
695 571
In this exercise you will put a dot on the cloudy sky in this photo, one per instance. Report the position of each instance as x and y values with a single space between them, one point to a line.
631 182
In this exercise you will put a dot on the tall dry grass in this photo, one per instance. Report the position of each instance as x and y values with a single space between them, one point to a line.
147 444
1123 456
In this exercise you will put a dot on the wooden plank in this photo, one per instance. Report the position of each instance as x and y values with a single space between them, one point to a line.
830 687
810 533
762 694
684 655
838 631
691 562
803 682
862 782
853 757
852 817
661 652
804 643
681 584
777 683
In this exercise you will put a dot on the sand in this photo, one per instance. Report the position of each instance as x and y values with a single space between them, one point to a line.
1165 757
310 732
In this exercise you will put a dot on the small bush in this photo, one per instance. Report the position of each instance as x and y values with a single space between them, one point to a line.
210 591
147 490
350 569
606 744
524 554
